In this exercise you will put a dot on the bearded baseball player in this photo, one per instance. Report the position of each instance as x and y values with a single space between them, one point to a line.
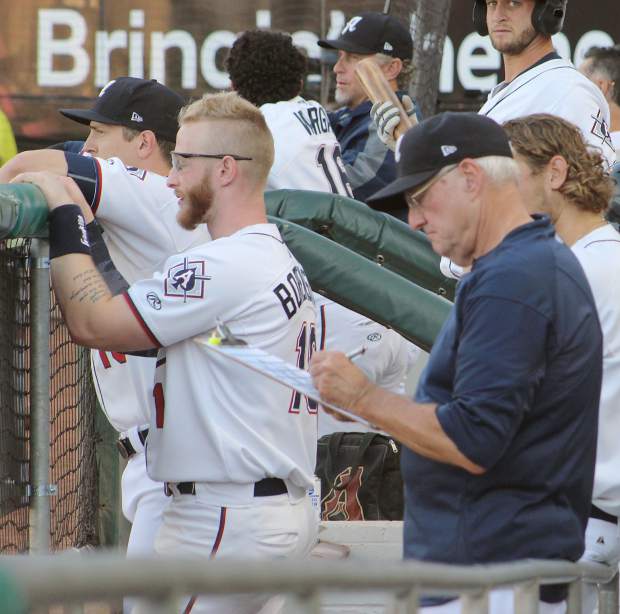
564 180
236 456
268 70
122 175
537 79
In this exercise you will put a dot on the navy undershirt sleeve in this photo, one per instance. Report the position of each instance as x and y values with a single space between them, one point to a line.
84 170
499 364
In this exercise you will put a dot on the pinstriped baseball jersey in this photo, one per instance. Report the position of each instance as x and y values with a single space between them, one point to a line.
306 150
245 426
556 87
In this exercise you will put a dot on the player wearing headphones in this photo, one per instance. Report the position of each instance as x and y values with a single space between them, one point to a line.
537 79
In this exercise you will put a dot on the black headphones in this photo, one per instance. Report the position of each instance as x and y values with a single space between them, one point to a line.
547 16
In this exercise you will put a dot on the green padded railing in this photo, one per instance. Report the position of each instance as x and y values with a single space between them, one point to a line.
372 234
355 282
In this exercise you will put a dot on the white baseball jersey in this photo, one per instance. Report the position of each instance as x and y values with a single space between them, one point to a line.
599 255
615 139
307 153
558 88
214 420
386 362
137 212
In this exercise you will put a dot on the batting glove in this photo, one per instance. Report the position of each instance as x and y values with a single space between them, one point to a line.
386 118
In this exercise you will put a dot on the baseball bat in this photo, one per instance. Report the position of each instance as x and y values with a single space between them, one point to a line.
378 89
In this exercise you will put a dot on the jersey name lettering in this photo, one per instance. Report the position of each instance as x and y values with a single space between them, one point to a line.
314 120
294 292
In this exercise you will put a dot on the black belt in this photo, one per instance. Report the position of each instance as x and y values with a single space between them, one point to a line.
597 512
126 449
267 487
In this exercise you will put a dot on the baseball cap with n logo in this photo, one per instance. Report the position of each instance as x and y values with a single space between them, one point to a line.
437 142
369 33
141 104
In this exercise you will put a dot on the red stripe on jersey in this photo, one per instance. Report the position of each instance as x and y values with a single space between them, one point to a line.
142 323
190 605
216 545
95 204
220 532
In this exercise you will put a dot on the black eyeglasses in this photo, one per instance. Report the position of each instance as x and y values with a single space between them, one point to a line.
177 157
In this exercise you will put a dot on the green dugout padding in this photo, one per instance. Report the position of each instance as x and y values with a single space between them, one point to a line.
355 282
372 234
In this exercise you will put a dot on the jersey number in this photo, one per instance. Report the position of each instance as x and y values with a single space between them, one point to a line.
105 359
334 170
306 345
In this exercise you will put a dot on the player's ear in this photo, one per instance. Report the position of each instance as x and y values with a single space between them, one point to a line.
227 170
147 144
392 69
557 172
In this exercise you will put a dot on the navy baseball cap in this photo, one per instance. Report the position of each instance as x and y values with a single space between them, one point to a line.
369 33
140 104
437 142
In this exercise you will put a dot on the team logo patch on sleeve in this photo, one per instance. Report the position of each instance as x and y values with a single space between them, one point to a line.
140 173
186 279
600 129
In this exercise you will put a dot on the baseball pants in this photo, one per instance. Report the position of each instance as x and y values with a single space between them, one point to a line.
143 502
270 527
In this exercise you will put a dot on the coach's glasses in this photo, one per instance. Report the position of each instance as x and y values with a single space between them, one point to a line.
177 157
413 198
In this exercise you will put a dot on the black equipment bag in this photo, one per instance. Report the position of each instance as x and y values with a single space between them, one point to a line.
360 477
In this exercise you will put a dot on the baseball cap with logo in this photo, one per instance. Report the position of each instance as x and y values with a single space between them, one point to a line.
437 142
140 104
369 33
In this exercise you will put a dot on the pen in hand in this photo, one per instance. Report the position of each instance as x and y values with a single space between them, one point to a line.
355 353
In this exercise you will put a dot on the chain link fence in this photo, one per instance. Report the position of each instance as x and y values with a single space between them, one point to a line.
73 404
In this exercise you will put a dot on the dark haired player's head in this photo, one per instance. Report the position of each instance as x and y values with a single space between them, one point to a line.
266 67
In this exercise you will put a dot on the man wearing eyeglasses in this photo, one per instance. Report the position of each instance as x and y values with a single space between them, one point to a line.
122 175
235 453
492 467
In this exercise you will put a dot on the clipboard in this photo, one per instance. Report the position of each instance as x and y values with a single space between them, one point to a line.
224 343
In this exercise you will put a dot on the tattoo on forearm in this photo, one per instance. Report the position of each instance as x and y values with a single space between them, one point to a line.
89 286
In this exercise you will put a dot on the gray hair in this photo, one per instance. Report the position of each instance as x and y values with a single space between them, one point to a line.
404 76
499 169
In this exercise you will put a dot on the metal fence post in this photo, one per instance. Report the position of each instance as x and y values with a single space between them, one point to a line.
526 598
40 488
608 597
305 603
575 589
476 603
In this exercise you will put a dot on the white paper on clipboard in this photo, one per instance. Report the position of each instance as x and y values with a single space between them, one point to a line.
276 369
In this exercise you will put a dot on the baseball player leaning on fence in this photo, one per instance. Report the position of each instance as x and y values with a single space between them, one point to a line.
492 465
565 181
236 460
133 125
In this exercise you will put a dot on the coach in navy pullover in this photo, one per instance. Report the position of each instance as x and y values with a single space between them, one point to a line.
500 442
